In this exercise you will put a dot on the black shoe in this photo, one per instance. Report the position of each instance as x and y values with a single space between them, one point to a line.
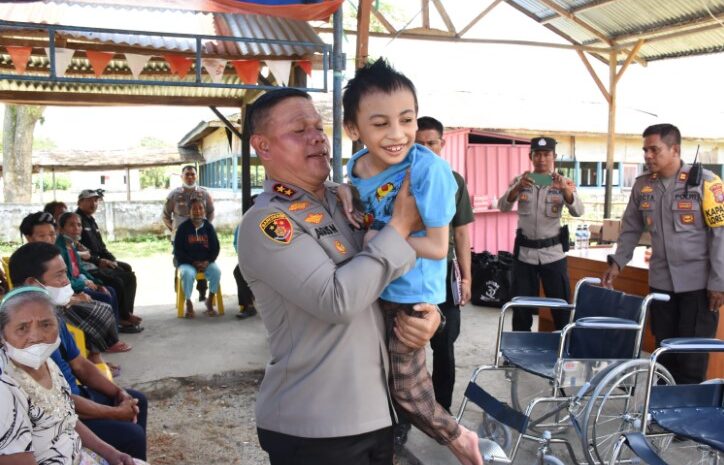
202 296
130 329
399 432
247 313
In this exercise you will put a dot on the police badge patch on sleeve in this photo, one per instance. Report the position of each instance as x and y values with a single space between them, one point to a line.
713 203
278 228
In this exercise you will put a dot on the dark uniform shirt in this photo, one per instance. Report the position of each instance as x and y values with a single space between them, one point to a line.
92 239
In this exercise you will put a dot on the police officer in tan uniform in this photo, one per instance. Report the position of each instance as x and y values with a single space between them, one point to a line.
541 242
324 398
685 217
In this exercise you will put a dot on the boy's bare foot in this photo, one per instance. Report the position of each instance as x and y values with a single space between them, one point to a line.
210 305
465 448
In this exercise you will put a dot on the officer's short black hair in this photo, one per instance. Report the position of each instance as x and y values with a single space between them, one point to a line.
375 76
30 261
259 110
428 122
668 133
188 167
35 219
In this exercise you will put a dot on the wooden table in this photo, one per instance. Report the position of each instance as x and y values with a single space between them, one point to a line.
634 279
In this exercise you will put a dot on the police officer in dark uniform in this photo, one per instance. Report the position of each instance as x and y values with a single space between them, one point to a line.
541 243
683 209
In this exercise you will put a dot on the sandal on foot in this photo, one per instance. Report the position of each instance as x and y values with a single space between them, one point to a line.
211 312
118 347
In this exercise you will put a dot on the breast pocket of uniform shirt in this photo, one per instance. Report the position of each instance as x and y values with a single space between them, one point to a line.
687 215
646 207
554 205
525 203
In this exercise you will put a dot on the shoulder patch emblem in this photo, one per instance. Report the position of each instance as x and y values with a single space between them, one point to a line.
683 176
314 218
647 189
278 228
713 203
298 206
340 247
283 190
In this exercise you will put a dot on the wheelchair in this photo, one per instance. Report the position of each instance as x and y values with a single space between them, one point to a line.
685 424
581 386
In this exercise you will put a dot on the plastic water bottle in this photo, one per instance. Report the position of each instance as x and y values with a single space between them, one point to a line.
579 238
586 236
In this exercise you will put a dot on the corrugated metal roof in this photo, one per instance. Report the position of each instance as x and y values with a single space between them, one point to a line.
671 28
170 21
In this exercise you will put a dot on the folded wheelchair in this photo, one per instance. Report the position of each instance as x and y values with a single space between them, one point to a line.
583 385
685 424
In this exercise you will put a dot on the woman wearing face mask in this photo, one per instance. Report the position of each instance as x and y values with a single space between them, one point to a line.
69 228
40 264
38 424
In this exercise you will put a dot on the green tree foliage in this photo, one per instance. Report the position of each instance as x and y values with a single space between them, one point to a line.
61 183
150 142
394 15
154 178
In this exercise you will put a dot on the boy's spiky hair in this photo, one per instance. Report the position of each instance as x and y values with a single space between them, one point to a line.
374 76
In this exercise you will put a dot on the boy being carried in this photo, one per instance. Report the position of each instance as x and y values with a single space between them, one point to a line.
380 110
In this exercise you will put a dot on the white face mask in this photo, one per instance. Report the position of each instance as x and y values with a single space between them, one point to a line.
60 295
33 356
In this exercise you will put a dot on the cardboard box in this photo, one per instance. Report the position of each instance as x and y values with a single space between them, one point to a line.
595 230
610 230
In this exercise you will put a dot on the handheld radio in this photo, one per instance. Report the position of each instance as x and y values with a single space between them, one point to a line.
695 171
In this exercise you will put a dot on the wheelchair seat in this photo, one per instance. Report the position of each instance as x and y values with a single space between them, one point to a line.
693 411
536 353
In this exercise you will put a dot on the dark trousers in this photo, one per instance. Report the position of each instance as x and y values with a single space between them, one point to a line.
246 298
125 436
373 448
526 283
123 280
110 299
685 315
443 349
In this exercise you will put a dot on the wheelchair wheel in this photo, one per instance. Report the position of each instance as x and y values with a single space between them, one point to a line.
490 428
615 406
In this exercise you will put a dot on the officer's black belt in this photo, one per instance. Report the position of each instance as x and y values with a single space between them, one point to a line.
538 243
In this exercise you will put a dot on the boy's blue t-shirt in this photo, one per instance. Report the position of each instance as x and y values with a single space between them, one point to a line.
434 187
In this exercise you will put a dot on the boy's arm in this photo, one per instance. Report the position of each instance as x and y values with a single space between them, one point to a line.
434 245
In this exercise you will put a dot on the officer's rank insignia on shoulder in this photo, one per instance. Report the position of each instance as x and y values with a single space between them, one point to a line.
314 218
683 176
278 228
713 203
283 190
340 247
647 189
298 206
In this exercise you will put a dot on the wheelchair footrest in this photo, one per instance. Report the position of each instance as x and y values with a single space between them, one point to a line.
496 409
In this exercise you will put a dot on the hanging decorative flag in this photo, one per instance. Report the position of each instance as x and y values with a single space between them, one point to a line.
99 60
306 65
280 69
247 70
179 64
136 63
215 67
20 57
63 58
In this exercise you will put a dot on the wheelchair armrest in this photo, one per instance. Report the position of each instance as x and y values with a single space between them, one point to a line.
605 322
693 344
540 302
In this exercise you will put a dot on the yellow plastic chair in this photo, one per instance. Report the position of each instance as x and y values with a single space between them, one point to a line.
180 300
6 271
79 338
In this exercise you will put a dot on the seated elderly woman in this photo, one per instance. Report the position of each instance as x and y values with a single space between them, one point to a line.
195 248
69 229
38 424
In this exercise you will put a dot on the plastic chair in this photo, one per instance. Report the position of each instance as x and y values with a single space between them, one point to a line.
79 338
6 270
180 300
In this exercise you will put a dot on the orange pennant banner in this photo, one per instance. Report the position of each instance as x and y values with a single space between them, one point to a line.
306 65
179 64
247 70
99 60
20 57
